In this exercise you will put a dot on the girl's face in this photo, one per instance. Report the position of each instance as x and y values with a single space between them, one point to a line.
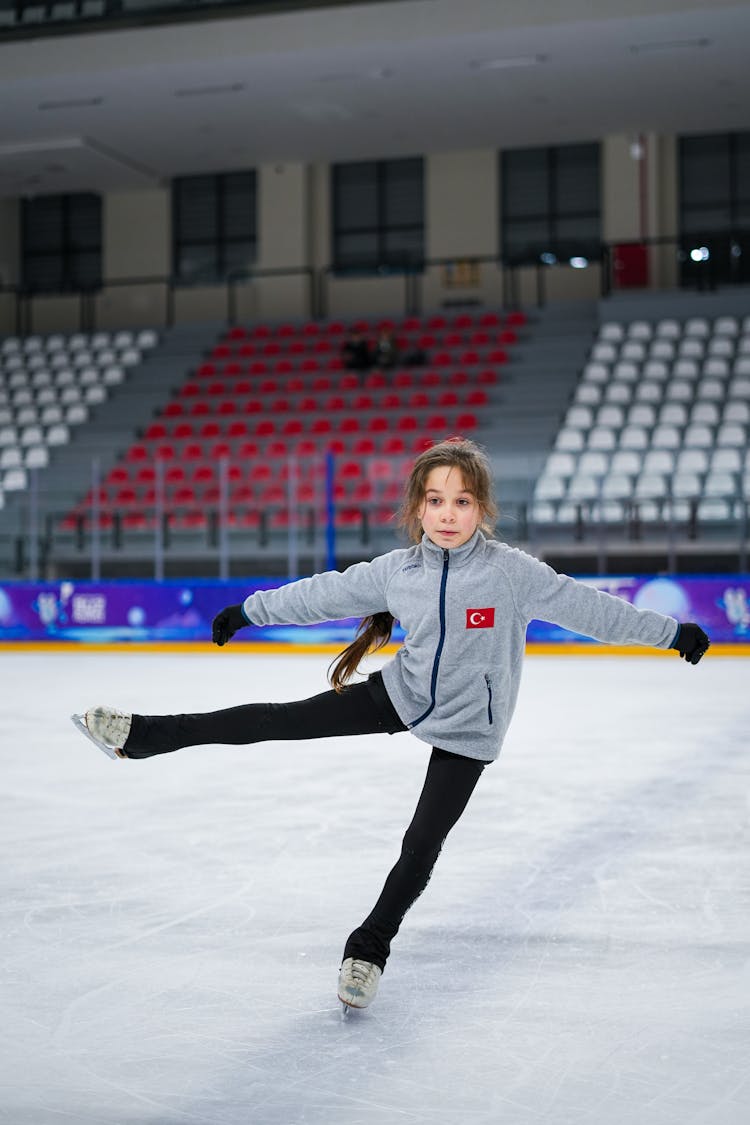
450 513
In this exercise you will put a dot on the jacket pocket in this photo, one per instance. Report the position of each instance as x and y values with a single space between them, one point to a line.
488 682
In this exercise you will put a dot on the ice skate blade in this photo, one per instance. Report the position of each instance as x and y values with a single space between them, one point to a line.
347 1007
79 722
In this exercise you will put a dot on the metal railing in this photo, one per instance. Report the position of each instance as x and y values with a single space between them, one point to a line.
700 263
44 538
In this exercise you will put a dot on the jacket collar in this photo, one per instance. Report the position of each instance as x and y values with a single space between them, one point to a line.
458 556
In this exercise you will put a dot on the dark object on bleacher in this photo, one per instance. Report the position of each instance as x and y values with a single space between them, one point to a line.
356 353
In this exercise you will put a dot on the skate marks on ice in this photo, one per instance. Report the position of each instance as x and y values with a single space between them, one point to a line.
171 938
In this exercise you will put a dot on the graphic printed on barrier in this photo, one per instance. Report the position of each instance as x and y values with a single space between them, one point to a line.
109 612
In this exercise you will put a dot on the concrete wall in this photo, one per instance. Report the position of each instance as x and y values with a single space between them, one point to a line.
462 192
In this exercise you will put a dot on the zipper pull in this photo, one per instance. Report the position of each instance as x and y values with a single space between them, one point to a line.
445 555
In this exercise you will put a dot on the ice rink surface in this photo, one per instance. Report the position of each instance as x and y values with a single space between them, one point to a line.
172 929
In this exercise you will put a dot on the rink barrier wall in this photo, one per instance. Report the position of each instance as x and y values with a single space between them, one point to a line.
248 649
177 614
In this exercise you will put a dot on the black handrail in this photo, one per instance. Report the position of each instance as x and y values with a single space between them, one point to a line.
697 271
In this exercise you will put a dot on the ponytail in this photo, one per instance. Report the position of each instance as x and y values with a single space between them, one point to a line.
373 632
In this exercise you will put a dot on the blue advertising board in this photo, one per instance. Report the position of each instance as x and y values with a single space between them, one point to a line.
175 611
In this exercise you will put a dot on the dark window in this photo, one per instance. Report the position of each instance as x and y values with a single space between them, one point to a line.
550 203
378 215
714 178
61 238
214 226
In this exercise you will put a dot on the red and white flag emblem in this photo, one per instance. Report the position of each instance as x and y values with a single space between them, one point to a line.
480 618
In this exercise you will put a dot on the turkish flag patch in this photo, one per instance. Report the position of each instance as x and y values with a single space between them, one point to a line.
480 618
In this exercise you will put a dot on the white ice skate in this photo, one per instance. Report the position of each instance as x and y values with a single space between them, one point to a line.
358 983
106 728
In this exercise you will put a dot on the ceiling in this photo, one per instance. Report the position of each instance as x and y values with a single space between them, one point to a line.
125 110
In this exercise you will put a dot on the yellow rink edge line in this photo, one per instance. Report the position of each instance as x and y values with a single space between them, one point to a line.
276 648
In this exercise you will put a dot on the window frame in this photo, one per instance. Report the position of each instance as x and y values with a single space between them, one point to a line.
383 262
553 216
66 250
220 242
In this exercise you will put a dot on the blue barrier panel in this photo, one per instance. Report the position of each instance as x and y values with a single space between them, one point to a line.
182 610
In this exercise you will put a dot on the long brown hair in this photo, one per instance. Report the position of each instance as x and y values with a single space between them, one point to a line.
474 466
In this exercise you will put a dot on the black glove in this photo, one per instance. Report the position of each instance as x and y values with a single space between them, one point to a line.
691 642
226 624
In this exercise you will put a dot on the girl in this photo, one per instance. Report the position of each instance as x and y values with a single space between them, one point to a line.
464 601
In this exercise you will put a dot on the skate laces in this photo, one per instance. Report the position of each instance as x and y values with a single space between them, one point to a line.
360 971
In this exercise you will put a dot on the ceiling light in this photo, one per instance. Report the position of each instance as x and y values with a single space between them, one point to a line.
207 91
579 263
508 63
669 45
700 254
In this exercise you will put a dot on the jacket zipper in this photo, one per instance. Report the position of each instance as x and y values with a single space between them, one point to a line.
438 651
488 681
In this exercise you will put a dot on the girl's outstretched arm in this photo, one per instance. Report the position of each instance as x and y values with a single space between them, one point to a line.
356 592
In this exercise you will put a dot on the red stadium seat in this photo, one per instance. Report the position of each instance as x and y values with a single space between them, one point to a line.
126 497
477 398
243 494
248 450
447 398
515 319
118 475
204 474
183 495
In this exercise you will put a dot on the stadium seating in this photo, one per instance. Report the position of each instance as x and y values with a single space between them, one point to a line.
48 386
658 427
266 393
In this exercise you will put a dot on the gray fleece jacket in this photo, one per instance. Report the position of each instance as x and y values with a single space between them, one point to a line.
455 680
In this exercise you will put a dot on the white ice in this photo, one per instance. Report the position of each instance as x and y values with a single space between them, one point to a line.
171 929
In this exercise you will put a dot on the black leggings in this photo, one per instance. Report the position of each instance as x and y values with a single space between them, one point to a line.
363 708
